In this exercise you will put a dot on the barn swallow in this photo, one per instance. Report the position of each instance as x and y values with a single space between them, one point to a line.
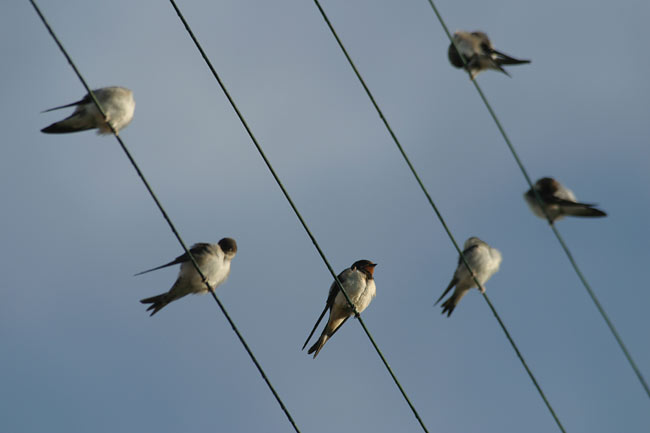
358 283
479 54
484 261
559 201
213 260
117 103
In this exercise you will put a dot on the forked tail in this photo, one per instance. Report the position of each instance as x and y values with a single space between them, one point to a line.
157 302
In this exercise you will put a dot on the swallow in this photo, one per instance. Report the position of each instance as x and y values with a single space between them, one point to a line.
559 201
484 262
358 283
479 54
214 261
117 103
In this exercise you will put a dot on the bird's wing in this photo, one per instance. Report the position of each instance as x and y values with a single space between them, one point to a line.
582 209
196 250
553 199
334 290
504 59
466 253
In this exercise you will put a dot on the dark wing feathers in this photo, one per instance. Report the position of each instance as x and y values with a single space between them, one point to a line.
454 280
196 250
466 252
504 59
334 290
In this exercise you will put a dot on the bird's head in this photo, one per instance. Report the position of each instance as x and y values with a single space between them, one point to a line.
229 246
365 266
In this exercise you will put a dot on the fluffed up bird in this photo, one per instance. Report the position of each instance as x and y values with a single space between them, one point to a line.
358 283
117 103
484 262
479 54
213 260
559 201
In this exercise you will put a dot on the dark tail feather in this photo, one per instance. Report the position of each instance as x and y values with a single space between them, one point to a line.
75 122
173 262
505 59
324 338
62 127
318 345
584 210
72 104
449 305
157 302
451 284
314 329
86 99
500 68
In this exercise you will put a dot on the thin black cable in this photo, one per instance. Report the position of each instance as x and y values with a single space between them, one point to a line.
581 276
439 215
295 209
169 222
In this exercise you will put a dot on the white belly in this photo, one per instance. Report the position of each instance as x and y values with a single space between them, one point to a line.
359 290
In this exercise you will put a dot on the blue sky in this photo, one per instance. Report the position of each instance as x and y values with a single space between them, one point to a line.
79 351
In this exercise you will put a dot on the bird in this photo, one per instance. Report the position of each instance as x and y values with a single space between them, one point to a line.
484 262
559 201
213 260
479 54
118 105
359 284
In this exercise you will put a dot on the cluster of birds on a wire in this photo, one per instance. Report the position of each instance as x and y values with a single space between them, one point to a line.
357 280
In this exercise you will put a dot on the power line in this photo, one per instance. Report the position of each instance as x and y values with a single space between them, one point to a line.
581 276
295 210
164 214
438 214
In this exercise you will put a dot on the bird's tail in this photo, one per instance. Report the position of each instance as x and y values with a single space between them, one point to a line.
450 304
334 324
453 282
496 65
583 210
74 123
72 104
505 59
318 345
157 302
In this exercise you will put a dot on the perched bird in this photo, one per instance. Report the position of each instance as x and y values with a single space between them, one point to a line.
479 54
358 283
117 103
559 201
214 261
484 261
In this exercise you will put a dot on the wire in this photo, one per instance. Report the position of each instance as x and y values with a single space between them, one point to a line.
581 276
164 214
439 215
295 210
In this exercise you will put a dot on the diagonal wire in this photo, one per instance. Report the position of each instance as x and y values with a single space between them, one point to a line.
295 210
442 221
559 237
164 214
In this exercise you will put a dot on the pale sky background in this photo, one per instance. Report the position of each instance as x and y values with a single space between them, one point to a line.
79 353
